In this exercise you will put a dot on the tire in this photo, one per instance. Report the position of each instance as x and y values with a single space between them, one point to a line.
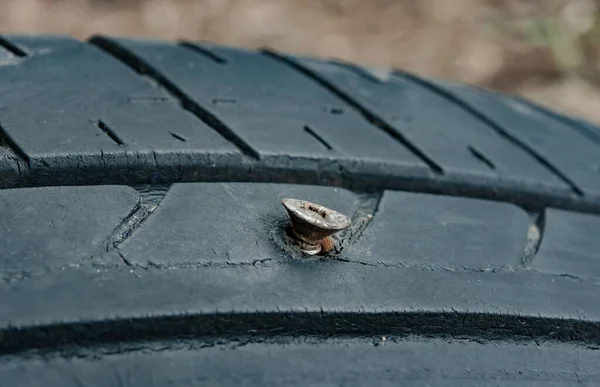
142 227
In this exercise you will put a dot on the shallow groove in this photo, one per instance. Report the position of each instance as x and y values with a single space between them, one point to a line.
224 101
264 325
333 110
109 132
317 137
366 210
148 100
481 157
356 70
294 253
150 199
370 116
202 51
535 235
13 49
263 262
178 137
142 67
495 126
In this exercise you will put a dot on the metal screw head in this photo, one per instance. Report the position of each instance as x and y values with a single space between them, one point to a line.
312 223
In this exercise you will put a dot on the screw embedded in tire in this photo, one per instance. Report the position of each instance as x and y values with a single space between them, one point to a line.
312 224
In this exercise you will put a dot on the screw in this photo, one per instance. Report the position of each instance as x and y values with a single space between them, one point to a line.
313 224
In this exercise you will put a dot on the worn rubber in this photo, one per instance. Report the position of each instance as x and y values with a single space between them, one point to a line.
143 238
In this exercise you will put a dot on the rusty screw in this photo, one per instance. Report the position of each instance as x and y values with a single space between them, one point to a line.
313 224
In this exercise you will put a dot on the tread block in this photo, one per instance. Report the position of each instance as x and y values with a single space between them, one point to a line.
436 233
373 362
270 113
444 131
223 223
408 300
570 245
89 100
570 151
216 247
162 113
44 229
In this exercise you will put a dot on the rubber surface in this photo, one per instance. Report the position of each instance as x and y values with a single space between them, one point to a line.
381 362
143 232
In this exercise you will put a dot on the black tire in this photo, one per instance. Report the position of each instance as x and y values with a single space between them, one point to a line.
142 236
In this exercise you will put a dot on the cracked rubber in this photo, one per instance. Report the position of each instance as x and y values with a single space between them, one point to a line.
142 231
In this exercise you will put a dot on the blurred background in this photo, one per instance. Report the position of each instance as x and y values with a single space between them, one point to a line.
547 50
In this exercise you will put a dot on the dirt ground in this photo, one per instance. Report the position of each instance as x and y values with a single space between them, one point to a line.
548 50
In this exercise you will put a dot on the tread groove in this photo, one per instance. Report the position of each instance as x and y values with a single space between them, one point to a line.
141 67
320 139
366 209
481 157
369 116
477 326
362 181
203 51
496 127
13 49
